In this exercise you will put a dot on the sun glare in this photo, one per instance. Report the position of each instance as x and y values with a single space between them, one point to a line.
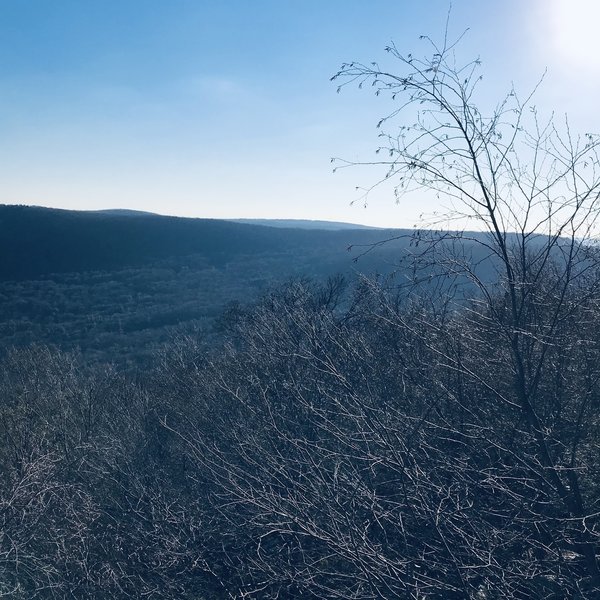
575 29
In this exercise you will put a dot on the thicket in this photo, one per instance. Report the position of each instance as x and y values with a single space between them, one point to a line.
341 443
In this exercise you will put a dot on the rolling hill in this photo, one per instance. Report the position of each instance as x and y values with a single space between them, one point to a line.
118 284
36 242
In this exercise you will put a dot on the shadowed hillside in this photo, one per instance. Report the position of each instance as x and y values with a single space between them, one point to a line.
38 241
118 284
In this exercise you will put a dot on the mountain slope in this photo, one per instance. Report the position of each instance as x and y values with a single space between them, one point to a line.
35 241
117 286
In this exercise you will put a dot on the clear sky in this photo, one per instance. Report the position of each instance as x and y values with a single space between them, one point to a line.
223 108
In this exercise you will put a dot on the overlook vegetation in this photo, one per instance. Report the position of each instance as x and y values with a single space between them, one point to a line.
328 446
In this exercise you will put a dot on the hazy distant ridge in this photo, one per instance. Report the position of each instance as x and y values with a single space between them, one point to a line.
303 224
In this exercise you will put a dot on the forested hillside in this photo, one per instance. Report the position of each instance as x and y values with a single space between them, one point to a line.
38 241
117 286
336 442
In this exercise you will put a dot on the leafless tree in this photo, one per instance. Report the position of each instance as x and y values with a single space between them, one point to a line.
533 188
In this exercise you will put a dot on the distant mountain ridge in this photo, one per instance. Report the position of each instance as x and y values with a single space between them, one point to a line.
36 241
283 223
303 224
124 212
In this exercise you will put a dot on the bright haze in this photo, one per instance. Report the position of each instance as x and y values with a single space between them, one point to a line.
225 109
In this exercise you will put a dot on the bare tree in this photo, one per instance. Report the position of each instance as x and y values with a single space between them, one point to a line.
533 188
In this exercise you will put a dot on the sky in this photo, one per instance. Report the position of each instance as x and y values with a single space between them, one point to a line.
224 108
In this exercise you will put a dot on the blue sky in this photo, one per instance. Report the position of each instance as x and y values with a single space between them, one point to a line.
224 108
